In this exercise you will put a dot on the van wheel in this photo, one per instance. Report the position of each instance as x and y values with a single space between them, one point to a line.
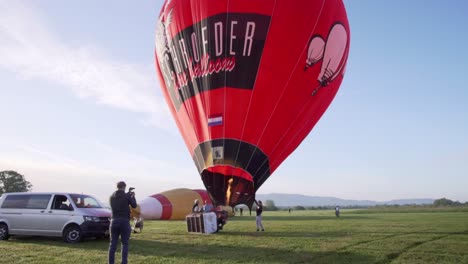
4 232
72 234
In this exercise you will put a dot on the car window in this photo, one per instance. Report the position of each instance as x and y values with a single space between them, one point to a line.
37 201
16 201
85 201
61 202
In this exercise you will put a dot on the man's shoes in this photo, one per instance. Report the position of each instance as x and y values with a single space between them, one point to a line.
258 230
263 230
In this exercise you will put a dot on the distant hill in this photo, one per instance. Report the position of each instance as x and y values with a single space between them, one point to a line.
282 199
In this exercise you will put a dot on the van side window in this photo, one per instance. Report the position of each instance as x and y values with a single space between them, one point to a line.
61 202
16 201
38 201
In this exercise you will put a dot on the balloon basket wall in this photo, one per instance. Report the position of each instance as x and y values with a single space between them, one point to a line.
203 223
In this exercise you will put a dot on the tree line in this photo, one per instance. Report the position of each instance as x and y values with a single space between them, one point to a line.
269 205
447 202
12 181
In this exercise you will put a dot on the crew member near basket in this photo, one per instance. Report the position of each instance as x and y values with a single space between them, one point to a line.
259 215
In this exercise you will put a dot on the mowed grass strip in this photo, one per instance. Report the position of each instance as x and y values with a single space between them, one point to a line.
299 237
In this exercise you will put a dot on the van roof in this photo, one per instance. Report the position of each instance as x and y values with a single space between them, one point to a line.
28 193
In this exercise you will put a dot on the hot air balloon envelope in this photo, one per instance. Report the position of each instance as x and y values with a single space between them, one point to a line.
246 81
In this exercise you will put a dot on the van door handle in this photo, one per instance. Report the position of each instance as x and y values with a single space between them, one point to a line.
42 211
50 211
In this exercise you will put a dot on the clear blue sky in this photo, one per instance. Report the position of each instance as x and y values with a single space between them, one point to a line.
81 107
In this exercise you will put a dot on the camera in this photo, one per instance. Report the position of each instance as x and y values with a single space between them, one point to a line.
130 191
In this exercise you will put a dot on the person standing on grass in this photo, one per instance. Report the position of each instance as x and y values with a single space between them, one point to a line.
259 215
120 222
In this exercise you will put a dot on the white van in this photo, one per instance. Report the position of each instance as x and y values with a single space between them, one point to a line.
67 215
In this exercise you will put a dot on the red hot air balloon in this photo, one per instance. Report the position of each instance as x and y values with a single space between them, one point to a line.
246 81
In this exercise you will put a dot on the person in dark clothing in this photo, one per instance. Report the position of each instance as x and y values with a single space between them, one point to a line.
259 215
120 222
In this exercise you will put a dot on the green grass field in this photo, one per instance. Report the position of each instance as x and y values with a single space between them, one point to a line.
299 237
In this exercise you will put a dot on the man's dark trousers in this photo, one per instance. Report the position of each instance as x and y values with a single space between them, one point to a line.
119 227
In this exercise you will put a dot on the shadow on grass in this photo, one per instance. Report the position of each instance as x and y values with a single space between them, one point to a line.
333 234
198 251
378 235
187 252
88 242
299 234
301 218
217 253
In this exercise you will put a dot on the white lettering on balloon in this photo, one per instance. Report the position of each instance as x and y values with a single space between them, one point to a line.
190 63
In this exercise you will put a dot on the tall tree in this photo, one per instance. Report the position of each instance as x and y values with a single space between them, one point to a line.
11 181
270 205
443 202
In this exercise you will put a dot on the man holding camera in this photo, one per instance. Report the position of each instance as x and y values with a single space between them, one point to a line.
120 222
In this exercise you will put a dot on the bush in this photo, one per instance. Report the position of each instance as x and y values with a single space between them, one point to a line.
298 207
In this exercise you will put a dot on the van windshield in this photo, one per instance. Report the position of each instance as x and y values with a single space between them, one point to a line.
85 201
